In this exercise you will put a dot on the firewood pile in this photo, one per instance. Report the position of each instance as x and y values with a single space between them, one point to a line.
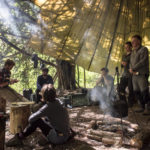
69 92
117 132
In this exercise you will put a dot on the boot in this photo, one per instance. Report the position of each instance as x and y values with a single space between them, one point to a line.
43 141
15 141
146 111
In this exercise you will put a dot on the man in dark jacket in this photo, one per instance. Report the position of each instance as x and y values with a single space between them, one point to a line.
139 68
56 129
126 79
41 80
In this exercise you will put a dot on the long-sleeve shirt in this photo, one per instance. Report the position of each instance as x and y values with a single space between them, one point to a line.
41 81
126 58
4 75
56 114
139 61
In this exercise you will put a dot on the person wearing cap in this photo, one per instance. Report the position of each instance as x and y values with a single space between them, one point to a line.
42 80
139 68
55 129
5 74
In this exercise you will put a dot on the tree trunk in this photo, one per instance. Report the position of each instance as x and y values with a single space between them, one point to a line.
66 75
2 122
19 115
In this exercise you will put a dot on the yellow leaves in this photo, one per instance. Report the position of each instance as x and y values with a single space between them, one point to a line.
40 2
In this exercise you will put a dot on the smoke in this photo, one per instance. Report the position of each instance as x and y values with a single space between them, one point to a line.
14 19
6 17
103 96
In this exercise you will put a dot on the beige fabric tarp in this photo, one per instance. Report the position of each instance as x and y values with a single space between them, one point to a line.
85 31
11 96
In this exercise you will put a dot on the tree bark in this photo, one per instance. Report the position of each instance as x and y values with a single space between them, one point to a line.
19 115
66 75
2 123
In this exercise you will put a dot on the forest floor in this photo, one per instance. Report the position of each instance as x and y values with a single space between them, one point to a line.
80 118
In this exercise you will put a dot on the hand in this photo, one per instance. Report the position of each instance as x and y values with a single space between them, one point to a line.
131 71
124 63
12 81
134 73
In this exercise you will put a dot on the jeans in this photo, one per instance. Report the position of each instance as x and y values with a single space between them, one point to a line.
45 128
127 82
50 133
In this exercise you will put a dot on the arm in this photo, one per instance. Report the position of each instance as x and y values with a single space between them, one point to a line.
99 81
51 80
123 62
42 112
38 83
142 62
108 81
2 83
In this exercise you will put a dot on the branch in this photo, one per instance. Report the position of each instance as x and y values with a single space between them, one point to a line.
12 34
10 55
24 52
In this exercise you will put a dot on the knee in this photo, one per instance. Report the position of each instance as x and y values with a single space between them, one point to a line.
36 122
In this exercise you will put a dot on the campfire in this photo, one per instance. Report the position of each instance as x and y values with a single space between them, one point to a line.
115 132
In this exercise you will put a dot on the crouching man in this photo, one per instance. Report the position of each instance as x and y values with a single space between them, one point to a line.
55 129
106 81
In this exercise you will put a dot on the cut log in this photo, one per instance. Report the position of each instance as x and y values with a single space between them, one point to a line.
93 125
112 141
104 134
140 138
2 122
94 137
19 115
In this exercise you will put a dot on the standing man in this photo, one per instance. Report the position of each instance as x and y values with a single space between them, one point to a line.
5 74
139 68
42 80
126 79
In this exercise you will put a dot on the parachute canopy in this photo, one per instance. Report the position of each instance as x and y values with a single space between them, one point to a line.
90 33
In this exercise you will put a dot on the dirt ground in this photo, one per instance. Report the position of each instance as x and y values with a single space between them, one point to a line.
80 118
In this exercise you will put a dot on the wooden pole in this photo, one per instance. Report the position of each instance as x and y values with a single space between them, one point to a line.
78 75
2 122
84 79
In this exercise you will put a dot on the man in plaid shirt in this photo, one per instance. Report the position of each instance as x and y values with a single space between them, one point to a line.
5 74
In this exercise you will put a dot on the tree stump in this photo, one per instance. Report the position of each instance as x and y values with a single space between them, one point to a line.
2 122
19 114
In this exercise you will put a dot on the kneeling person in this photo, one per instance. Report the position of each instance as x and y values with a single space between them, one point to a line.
56 128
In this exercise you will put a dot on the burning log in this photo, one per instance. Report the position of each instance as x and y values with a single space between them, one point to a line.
117 121
104 134
2 122
117 128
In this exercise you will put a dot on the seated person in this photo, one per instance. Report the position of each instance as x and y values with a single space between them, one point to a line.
56 128
41 80
5 74
105 80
